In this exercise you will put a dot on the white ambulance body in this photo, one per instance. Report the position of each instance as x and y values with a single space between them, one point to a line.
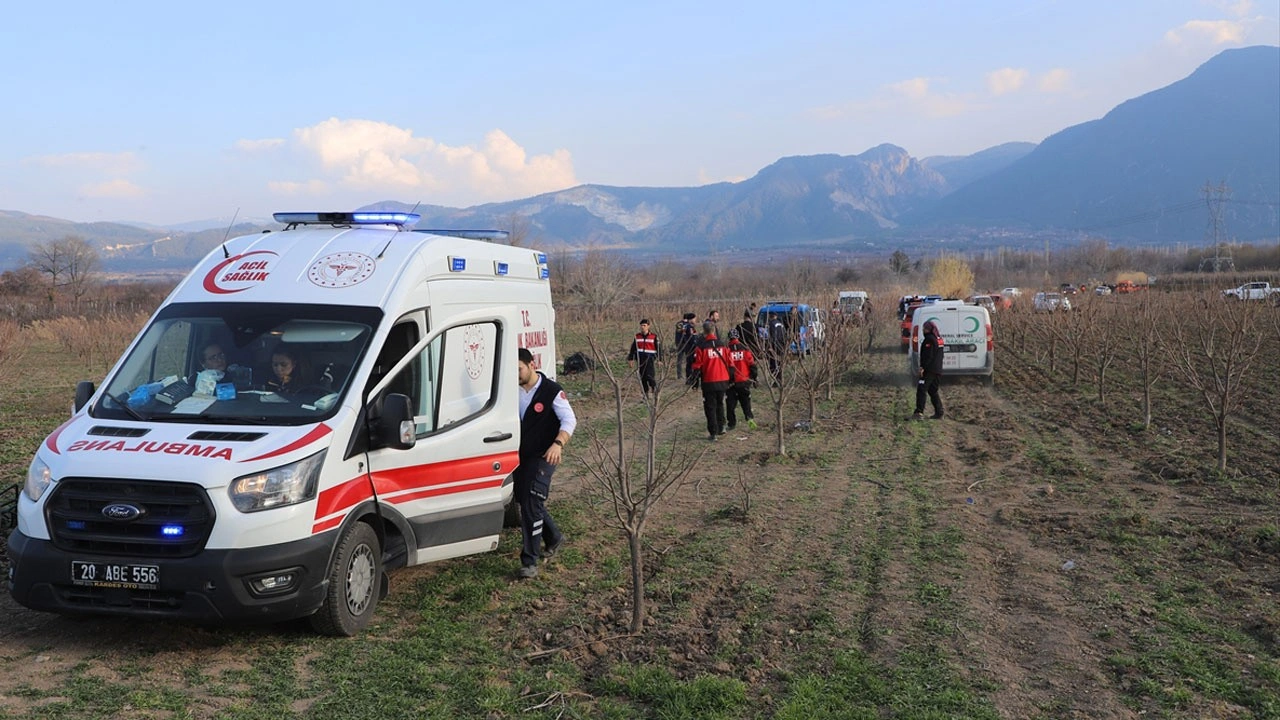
967 333
177 492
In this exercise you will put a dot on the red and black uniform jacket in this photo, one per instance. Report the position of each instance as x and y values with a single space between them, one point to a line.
743 360
712 361
645 348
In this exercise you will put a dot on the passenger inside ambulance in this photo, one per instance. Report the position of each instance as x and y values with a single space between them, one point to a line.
289 365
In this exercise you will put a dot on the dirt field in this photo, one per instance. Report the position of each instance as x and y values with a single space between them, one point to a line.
1036 551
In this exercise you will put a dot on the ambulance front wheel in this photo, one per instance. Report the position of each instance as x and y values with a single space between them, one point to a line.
354 581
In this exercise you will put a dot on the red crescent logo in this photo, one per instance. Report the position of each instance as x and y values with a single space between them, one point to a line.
211 279
537 407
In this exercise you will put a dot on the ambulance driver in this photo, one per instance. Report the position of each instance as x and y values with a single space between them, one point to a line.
546 424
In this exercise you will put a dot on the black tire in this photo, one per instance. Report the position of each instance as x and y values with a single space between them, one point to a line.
511 514
355 583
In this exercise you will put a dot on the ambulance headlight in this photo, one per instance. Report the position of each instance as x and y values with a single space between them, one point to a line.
286 485
39 478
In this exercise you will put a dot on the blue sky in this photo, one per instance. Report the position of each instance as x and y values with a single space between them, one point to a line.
173 112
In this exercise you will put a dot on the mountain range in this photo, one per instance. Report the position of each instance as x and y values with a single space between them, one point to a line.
1144 173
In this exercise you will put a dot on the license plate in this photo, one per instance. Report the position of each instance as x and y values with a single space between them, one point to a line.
115 575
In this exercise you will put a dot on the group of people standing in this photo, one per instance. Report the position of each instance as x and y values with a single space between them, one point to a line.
724 369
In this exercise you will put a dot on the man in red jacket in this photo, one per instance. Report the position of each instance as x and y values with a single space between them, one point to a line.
715 368
744 373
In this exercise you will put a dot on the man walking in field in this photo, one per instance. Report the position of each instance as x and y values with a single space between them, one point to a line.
644 355
932 348
713 365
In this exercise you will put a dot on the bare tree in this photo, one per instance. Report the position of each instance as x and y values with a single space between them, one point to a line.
636 466
1215 353
1144 332
598 282
775 349
69 262
1107 336
519 230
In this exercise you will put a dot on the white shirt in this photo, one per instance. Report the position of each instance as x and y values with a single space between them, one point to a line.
568 421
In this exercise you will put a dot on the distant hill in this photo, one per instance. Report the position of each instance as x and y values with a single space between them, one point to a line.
1137 171
1132 176
960 170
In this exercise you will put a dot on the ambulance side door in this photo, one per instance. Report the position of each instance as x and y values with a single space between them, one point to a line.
449 485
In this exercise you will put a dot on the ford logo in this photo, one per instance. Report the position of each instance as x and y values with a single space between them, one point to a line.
122 512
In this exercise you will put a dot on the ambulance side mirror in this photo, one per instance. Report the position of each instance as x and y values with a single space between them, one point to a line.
393 426
84 391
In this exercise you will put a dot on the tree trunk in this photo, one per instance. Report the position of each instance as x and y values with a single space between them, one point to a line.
637 581
777 423
1222 442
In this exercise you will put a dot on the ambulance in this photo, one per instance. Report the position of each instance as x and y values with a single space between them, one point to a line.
968 335
235 492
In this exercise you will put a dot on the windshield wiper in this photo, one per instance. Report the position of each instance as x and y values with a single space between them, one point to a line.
124 405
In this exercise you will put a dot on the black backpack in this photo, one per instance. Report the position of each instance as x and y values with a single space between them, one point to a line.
577 362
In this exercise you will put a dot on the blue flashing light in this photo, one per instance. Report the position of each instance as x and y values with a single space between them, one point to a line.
500 268
173 531
457 264
76 525
542 258
544 273
344 218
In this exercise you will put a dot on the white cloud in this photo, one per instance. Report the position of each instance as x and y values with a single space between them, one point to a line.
374 156
1056 80
914 89
111 163
915 96
313 187
113 189
1006 80
254 146
1218 32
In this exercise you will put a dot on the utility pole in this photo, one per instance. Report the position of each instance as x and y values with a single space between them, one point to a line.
1215 198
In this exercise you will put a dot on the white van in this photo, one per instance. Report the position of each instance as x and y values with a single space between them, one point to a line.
180 491
967 333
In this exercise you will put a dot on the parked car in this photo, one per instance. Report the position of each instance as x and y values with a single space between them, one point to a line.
1050 301
1011 292
1102 290
1067 289
984 301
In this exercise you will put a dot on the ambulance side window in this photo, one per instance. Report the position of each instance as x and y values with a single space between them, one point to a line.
454 377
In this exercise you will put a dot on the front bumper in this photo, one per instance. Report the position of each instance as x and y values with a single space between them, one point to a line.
210 586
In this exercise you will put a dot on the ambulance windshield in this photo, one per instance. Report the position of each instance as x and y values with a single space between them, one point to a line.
241 363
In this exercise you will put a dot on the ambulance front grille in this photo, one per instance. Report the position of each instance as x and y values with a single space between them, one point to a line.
147 519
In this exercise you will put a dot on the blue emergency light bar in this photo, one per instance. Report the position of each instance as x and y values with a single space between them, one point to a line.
467 234
346 218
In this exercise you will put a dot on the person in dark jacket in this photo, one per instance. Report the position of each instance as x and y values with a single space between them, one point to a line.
749 333
546 424
932 348
686 341
645 353
744 375
715 368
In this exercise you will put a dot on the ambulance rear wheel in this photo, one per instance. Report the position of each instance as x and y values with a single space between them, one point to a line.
511 515
355 579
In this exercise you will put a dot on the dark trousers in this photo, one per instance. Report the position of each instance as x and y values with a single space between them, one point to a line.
645 366
928 384
692 377
532 485
739 393
713 405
